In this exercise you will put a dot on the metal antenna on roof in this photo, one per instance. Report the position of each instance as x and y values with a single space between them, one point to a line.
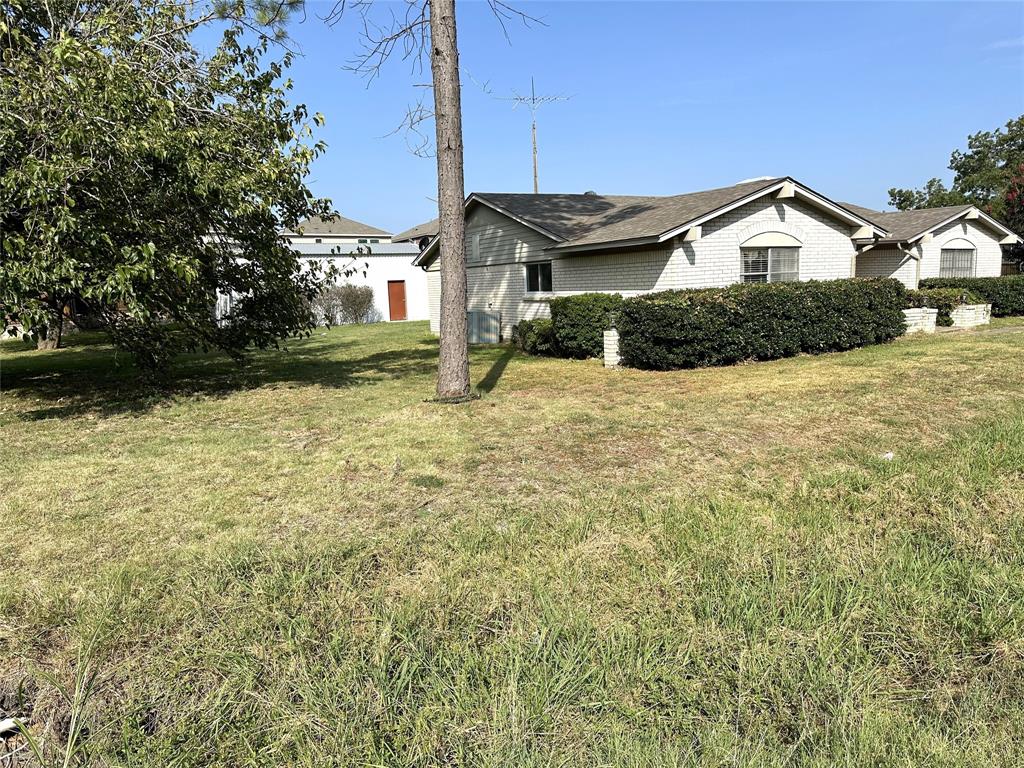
534 102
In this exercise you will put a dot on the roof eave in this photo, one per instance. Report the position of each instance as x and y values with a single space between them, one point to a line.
422 261
605 245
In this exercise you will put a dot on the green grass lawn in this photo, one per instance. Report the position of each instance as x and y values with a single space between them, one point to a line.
303 562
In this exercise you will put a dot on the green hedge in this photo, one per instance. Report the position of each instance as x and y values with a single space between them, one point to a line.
580 322
758 321
1005 294
535 337
943 299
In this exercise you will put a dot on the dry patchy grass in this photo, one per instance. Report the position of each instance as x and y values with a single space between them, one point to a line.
303 562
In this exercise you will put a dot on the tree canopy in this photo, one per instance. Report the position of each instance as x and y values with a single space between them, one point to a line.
140 177
982 176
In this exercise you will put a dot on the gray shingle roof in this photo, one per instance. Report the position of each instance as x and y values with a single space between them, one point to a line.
591 219
426 229
906 225
338 225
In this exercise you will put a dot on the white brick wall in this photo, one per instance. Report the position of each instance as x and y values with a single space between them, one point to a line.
920 319
826 253
971 315
889 262
988 260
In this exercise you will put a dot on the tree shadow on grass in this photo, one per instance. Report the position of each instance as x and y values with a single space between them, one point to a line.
96 380
491 378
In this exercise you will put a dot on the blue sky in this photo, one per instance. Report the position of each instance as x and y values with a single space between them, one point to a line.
671 97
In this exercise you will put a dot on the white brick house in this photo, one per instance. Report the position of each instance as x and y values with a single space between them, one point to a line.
522 250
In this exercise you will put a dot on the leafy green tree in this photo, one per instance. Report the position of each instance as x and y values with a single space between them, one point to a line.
1013 204
981 175
933 195
1013 216
140 178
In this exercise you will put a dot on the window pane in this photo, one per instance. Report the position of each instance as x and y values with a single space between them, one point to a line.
755 278
545 276
532 278
755 260
785 259
538 277
956 262
785 265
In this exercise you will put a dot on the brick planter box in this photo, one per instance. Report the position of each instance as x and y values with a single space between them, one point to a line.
920 319
971 315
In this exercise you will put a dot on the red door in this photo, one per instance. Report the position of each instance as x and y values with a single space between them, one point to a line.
396 299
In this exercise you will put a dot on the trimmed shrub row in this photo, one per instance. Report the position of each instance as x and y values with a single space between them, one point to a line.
579 323
576 328
1005 294
534 337
758 321
943 299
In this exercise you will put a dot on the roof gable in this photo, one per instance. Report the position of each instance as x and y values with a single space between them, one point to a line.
337 225
906 226
426 229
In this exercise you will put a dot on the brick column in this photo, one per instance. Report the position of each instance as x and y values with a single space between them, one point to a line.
611 348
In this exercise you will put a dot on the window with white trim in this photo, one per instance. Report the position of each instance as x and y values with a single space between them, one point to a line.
538 277
770 265
956 262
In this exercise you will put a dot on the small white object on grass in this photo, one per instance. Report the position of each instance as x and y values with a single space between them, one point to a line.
9 725
888 455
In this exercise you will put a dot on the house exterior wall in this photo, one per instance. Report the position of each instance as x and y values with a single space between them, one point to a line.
497 248
888 262
988 258
376 270
826 252
434 297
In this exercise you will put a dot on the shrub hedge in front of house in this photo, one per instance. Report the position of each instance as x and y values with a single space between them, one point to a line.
943 299
534 337
758 321
1005 294
579 323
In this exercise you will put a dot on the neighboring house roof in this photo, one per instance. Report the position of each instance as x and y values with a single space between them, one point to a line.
426 229
341 250
590 222
337 225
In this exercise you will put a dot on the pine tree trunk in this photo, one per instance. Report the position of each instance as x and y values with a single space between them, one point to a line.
453 366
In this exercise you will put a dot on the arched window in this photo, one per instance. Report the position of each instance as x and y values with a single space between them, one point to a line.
770 257
956 259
